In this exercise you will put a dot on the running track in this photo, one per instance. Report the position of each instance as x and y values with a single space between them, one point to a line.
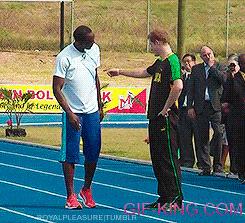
32 190
110 120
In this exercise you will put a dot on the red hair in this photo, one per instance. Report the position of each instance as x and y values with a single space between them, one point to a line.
158 35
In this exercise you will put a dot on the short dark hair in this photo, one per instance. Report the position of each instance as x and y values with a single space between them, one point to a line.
158 35
189 55
81 33
233 56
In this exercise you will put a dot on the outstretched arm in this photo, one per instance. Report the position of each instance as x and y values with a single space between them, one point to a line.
139 73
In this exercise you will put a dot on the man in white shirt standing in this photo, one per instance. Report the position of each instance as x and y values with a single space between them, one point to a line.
77 89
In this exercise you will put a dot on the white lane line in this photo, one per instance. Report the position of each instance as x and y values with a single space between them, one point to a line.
78 179
25 215
124 122
107 185
98 168
36 124
103 123
27 156
62 196
127 174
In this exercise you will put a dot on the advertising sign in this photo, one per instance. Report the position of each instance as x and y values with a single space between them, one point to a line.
116 100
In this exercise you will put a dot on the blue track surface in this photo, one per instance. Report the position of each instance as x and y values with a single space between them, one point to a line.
110 120
32 190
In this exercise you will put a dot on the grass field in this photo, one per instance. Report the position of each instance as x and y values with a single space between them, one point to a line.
29 41
128 143
122 25
37 67
118 142
29 34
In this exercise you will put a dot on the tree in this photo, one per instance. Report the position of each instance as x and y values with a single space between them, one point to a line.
15 105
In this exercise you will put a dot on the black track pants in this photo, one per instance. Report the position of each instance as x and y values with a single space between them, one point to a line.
164 155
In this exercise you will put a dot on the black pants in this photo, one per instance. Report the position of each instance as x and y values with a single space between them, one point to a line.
237 125
187 128
164 155
231 128
215 145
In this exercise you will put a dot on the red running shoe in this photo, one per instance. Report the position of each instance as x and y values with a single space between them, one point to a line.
86 197
72 202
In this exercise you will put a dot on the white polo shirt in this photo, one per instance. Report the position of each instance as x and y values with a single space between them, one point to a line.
78 70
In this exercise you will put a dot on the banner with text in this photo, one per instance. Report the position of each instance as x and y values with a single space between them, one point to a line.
116 100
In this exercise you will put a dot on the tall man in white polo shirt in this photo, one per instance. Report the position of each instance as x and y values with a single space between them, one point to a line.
77 89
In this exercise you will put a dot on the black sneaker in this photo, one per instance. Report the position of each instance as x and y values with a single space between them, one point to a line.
174 206
158 203
176 203
154 205
171 207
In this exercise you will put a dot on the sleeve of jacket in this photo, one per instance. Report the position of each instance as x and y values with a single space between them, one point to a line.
228 90
191 88
218 72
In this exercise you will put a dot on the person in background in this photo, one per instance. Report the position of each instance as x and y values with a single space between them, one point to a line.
235 96
162 113
77 89
227 140
186 126
203 102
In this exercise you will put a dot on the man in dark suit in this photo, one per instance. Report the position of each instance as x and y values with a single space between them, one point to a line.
235 92
205 90
186 126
